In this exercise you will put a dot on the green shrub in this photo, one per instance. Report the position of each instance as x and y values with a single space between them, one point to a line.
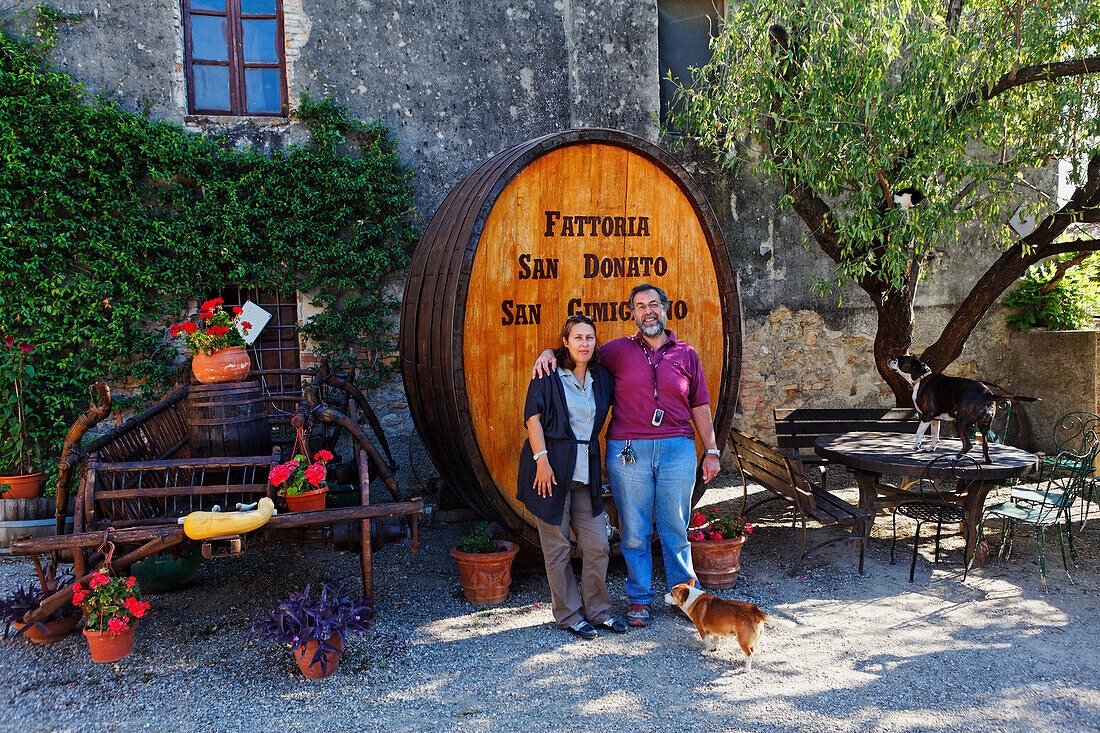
110 222
1070 303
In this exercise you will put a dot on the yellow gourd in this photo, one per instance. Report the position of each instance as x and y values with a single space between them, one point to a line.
201 525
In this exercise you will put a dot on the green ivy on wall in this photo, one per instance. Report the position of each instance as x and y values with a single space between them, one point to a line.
110 222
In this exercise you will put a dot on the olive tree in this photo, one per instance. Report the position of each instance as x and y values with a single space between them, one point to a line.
846 103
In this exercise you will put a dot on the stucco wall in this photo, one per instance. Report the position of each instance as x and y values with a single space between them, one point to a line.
459 81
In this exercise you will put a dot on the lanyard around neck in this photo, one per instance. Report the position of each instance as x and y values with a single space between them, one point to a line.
652 366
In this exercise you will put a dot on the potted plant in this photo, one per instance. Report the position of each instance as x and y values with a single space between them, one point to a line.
484 566
112 607
18 603
19 451
216 341
315 627
302 483
716 543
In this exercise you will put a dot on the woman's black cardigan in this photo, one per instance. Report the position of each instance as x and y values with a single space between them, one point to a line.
546 397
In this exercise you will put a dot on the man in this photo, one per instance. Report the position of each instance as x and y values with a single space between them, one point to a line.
660 391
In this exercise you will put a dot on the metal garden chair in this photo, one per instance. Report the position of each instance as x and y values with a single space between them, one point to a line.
1075 434
1047 504
930 504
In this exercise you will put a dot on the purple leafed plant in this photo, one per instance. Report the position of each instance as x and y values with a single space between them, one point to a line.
24 599
303 618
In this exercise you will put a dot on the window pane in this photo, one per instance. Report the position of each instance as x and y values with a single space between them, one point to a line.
211 87
208 38
257 7
262 91
260 38
684 29
218 5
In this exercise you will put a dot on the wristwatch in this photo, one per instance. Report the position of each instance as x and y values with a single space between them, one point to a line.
713 451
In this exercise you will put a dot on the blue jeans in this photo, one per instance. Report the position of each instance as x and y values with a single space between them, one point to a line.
658 484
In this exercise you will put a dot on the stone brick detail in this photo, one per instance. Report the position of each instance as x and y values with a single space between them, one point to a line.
791 359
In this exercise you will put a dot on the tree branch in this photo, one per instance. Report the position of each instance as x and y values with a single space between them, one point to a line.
1052 71
1037 246
1060 271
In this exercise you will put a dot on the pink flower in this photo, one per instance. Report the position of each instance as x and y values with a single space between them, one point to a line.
278 475
323 456
748 528
26 348
131 581
100 578
315 474
118 624
79 596
9 341
696 536
136 607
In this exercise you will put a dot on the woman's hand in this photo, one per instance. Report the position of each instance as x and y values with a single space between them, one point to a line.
544 478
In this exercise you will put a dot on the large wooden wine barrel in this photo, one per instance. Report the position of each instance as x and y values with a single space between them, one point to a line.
558 225
228 420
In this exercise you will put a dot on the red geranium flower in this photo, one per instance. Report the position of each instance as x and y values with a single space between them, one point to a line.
246 325
190 326
698 520
323 456
118 624
315 474
100 578
237 310
278 475
79 596
131 582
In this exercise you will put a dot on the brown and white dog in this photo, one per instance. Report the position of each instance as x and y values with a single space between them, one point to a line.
716 618
967 402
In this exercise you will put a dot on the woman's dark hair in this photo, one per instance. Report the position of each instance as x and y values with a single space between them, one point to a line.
561 353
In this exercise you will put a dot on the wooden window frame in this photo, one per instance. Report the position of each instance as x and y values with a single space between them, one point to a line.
235 59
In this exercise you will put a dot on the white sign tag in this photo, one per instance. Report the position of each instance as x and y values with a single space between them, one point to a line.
255 316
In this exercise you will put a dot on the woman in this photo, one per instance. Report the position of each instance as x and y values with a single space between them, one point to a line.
559 478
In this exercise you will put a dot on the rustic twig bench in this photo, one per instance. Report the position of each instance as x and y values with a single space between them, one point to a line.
137 481
784 477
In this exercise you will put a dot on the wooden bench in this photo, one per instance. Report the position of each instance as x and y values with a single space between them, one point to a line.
783 476
796 430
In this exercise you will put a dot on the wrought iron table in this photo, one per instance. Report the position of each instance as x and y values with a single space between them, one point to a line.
870 455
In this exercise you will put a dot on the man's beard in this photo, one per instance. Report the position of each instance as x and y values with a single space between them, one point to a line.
655 328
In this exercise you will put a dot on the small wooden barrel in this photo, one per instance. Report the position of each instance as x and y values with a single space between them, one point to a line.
228 420
21 517
562 224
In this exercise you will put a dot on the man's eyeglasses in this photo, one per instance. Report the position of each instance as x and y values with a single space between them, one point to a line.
656 307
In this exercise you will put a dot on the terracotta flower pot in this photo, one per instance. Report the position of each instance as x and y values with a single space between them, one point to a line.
108 647
55 630
307 502
312 670
24 486
485 576
717 562
224 365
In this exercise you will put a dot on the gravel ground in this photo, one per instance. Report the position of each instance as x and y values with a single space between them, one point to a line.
869 652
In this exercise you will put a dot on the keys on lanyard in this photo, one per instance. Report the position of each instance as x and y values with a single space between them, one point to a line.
627 455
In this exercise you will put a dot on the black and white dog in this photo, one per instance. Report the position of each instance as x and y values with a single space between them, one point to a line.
967 402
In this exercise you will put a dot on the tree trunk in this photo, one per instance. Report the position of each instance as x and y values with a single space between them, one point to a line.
893 338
